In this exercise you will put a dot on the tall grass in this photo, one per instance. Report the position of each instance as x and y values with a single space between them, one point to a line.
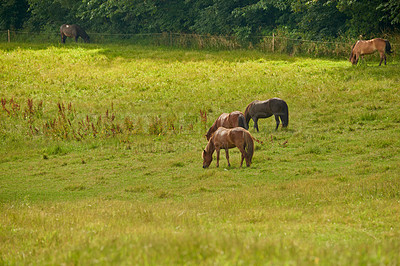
282 41
100 158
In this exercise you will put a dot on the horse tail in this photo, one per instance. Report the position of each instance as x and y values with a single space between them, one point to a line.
388 47
285 116
242 122
248 146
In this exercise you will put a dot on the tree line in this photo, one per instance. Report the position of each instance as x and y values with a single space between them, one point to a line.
313 19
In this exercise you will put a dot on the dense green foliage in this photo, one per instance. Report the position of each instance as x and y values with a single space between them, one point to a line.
318 19
100 158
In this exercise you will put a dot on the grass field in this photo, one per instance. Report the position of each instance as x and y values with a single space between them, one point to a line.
100 158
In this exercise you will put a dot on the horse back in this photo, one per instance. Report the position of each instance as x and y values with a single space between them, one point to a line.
379 44
260 108
62 28
229 120
277 105
237 136
369 46
240 137
74 30
235 119
68 30
249 108
222 120
222 138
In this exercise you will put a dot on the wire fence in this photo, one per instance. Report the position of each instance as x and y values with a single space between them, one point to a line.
273 43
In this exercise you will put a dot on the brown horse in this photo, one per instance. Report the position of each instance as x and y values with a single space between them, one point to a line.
234 119
73 31
361 48
264 109
225 138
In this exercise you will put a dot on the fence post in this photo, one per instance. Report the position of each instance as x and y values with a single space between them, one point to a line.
8 34
273 42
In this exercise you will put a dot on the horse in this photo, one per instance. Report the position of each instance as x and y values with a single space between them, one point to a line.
227 138
73 31
362 47
234 119
264 109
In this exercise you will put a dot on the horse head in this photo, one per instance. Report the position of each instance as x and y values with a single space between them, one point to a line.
207 158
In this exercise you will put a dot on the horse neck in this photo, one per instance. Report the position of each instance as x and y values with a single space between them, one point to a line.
247 115
210 148
212 129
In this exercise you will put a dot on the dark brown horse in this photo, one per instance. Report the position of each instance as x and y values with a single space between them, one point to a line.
225 138
234 119
362 47
264 109
73 31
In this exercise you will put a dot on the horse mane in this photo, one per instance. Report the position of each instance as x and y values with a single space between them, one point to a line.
210 145
212 130
246 112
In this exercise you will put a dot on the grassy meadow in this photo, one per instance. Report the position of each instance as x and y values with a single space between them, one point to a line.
100 158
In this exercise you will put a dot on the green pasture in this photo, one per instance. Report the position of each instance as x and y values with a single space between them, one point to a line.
100 158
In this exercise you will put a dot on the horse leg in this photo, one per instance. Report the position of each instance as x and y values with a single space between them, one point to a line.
354 59
247 161
277 121
227 157
284 124
357 57
243 152
217 150
63 38
255 120
381 56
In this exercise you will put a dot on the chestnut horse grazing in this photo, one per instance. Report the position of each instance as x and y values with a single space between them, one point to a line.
264 109
225 138
361 48
73 31
234 119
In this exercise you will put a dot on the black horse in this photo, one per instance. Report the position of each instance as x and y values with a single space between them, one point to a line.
263 109
73 31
